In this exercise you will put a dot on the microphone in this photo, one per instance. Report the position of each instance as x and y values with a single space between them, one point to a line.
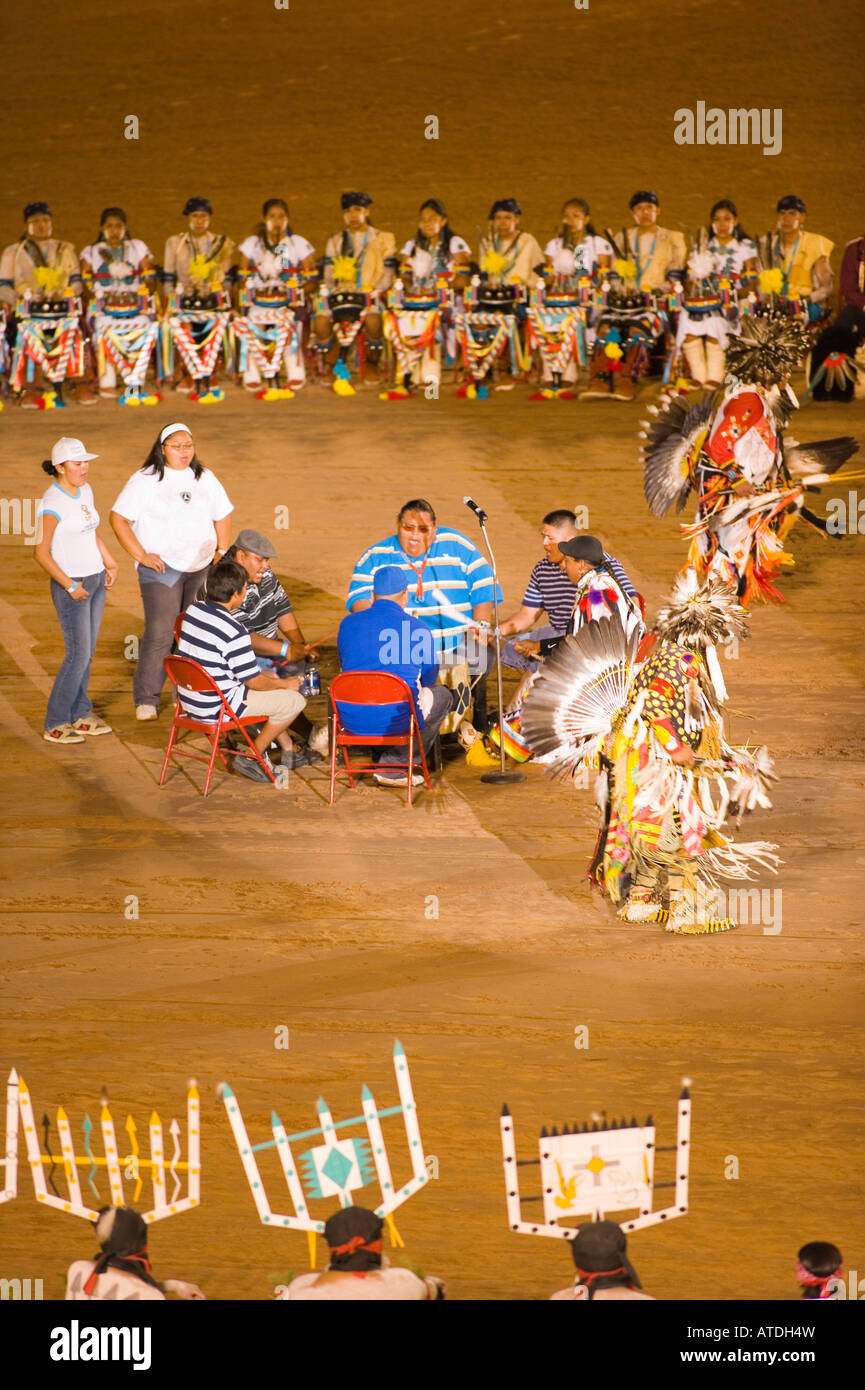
478 511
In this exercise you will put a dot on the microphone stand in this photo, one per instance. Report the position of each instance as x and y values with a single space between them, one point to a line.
504 775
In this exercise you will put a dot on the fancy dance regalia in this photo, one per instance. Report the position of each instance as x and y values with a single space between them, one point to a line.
122 315
418 322
728 447
41 277
802 286
268 329
197 309
667 775
358 269
489 322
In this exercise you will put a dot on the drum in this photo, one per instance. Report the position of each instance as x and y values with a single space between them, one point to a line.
200 302
48 308
346 305
421 300
120 304
497 299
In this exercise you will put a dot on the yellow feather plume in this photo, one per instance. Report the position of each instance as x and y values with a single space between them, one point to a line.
493 263
201 269
626 269
48 277
771 281
344 268
613 350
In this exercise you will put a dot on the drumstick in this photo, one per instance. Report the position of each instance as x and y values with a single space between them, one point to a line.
451 612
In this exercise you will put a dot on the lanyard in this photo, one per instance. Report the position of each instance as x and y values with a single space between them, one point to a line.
643 264
786 265
515 244
419 572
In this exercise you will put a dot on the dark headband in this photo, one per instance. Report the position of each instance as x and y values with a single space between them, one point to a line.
355 200
644 195
33 209
196 205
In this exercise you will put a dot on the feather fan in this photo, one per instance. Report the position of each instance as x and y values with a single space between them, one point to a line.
673 439
581 690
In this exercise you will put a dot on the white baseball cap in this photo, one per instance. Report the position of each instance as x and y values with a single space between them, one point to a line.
70 451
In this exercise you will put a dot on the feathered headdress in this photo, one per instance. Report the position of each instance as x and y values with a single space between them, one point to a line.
701 615
768 349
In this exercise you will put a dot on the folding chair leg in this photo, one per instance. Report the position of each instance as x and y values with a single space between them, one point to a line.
171 741
410 770
333 758
214 750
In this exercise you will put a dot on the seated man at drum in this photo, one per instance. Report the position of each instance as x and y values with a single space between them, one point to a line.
383 636
196 280
275 257
803 260
650 264
549 592
450 586
275 634
509 260
212 635
117 268
358 267
40 272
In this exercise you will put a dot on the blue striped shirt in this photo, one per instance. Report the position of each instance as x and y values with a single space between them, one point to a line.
551 589
452 564
215 639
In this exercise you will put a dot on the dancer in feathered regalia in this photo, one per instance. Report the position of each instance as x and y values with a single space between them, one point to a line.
729 447
667 775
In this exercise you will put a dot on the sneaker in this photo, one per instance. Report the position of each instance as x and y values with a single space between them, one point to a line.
249 767
63 733
146 712
398 780
91 724
319 739
299 756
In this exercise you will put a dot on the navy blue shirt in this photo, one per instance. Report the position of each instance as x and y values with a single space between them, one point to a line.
385 638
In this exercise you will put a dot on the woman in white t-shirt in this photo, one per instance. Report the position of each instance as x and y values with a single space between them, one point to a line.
81 567
272 254
173 517
115 267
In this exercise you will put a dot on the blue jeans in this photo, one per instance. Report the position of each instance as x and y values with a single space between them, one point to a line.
80 621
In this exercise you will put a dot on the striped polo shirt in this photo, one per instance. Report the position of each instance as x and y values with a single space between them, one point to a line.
453 565
215 639
551 589
265 603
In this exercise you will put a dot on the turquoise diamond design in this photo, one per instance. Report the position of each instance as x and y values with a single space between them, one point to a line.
337 1167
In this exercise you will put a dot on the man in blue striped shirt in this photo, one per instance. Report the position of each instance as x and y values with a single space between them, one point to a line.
549 591
213 636
434 558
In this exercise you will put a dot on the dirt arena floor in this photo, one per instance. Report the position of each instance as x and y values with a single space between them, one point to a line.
259 909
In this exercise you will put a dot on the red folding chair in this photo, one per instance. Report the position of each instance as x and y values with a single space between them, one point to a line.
372 688
185 674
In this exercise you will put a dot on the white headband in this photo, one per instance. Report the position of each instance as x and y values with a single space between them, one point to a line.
173 429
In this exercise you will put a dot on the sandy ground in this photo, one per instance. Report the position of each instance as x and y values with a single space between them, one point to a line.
259 909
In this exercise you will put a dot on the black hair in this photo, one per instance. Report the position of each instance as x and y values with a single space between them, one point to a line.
155 461
560 518
112 212
442 244
224 581
728 205
565 229
820 1258
49 468
261 229
417 504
